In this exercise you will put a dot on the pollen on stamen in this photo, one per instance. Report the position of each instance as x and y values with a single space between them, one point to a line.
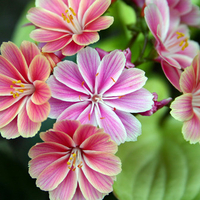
89 116
11 86
121 96
102 117
97 74
114 109
82 83
68 163
71 9
113 79
180 35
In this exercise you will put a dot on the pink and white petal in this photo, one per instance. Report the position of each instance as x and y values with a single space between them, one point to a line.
62 92
172 3
71 49
10 131
78 194
192 49
95 10
39 69
67 126
107 119
173 74
191 129
12 53
109 70
99 142
26 127
85 38
57 44
41 94
73 111
75 5
55 6
66 189
182 109
57 137
88 191
11 112
42 35
183 6
57 107
88 61
132 125
138 101
37 113
47 20
100 23
83 132
101 182
104 163
47 147
196 67
188 80
53 174
67 72
8 69
130 80
29 50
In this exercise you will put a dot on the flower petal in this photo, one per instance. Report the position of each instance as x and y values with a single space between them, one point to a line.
182 109
7 101
71 49
129 81
41 94
107 119
85 38
88 62
109 70
26 127
37 113
132 125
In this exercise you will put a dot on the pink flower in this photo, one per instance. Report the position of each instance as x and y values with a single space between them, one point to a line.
100 92
186 107
24 94
175 49
68 25
74 162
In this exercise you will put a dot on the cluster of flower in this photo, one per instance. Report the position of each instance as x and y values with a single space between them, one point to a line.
95 99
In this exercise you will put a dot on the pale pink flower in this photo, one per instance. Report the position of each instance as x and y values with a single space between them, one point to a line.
100 92
74 162
24 94
68 25
186 107
175 49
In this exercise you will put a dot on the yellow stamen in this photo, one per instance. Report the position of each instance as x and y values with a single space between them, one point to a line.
97 74
20 90
11 86
180 35
72 11
68 163
113 79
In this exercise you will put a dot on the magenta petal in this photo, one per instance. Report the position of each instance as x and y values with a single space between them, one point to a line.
109 70
129 81
29 50
183 6
132 125
41 94
83 7
57 107
104 163
12 53
182 107
101 182
39 163
10 131
138 101
111 123
89 192
71 49
7 101
78 194
26 127
53 174
37 113
88 62
57 137
66 189
67 126
85 38
100 23
68 73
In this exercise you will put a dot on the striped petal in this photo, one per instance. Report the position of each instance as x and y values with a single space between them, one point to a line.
85 38
71 49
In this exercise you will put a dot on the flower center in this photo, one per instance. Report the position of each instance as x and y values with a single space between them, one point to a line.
75 160
70 17
19 88
184 42
96 98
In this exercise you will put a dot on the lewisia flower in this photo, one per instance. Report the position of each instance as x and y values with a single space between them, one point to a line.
74 162
68 25
175 49
186 107
100 92
24 94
